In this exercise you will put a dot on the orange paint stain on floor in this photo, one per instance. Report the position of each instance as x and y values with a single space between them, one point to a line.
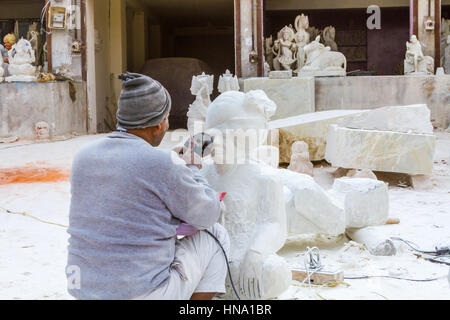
32 174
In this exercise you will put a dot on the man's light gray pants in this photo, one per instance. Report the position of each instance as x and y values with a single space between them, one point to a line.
199 266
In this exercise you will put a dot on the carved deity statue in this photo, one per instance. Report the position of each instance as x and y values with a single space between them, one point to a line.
254 213
228 82
320 60
284 49
21 56
301 39
415 61
201 88
264 204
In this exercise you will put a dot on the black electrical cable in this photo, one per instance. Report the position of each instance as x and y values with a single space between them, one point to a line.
390 277
415 249
228 264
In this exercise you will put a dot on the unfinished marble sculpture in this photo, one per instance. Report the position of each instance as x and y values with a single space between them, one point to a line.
21 57
42 130
415 62
34 35
284 49
228 82
300 159
254 214
201 88
301 39
329 33
321 61
268 54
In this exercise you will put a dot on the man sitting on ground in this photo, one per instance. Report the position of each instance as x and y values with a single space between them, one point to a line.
128 199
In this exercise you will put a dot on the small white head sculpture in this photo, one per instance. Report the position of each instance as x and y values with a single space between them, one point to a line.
42 130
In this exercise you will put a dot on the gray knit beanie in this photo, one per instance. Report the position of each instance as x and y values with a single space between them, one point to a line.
143 102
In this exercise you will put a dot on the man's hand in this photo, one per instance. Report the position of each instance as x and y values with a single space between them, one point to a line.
5 60
188 154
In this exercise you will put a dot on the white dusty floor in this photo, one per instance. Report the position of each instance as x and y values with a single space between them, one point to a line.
33 254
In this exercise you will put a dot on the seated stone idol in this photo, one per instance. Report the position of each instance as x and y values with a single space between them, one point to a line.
415 61
254 214
21 56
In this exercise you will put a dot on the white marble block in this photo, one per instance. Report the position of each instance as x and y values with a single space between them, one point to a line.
311 128
366 201
309 208
380 150
408 119
292 96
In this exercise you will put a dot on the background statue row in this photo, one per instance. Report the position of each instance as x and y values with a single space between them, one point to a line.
306 57
287 52
202 87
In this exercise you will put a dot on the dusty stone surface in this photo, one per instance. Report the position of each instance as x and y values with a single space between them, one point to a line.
380 150
292 96
408 119
311 128
309 208
366 201
352 93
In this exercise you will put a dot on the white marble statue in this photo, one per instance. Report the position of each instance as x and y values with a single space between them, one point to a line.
228 82
321 61
415 62
302 38
21 56
300 158
201 88
285 49
254 214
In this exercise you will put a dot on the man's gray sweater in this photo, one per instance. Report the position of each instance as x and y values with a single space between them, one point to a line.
128 198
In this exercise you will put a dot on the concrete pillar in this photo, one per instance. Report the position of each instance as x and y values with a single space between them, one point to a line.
421 11
90 67
246 34
61 41
117 45
138 40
